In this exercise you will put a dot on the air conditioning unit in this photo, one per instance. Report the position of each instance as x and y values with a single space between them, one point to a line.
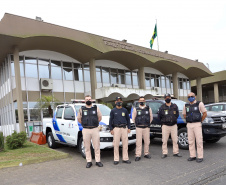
46 84
157 89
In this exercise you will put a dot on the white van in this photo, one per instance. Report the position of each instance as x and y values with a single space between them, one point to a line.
67 130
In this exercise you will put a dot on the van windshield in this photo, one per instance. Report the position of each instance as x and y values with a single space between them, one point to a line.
105 110
179 103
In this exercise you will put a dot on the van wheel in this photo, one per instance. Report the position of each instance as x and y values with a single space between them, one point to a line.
82 149
183 139
51 141
131 147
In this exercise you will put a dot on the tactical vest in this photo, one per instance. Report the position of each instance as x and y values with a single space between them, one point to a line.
89 117
168 114
192 112
142 117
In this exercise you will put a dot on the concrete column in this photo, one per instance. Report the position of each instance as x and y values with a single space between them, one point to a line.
175 85
18 89
141 77
216 93
199 89
93 79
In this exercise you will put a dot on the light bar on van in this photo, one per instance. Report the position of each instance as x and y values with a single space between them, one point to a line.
81 101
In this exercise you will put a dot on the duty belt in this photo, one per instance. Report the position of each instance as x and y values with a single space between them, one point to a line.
89 127
120 126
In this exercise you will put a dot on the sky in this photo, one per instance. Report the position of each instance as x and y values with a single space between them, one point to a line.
193 29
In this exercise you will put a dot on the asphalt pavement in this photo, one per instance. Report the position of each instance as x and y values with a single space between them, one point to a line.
171 170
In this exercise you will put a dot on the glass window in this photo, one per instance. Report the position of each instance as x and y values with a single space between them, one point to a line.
56 73
69 112
167 81
184 84
43 71
207 108
30 60
22 69
87 75
163 82
113 78
12 69
154 106
217 108
113 70
152 80
77 65
97 68
105 110
128 78
59 112
67 73
105 70
121 78
105 77
86 67
180 83
98 76
135 78
55 63
31 70
78 74
157 81
188 84
179 103
147 81
35 114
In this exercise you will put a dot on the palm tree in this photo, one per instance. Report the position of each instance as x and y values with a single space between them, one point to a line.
46 102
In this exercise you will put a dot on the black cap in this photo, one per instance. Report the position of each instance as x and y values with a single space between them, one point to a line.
167 94
118 97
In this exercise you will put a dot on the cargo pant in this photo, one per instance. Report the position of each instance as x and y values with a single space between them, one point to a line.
88 135
166 131
195 135
145 134
120 133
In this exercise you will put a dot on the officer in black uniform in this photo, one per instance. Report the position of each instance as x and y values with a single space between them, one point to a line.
90 116
119 125
168 114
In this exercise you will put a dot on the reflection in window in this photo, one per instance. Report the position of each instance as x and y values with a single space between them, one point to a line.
128 78
67 73
135 78
78 74
31 70
147 79
188 84
35 114
56 73
113 78
152 80
43 71
163 83
105 75
121 78
87 75
12 69
30 60
180 81
157 81
98 74
167 81
55 63
184 84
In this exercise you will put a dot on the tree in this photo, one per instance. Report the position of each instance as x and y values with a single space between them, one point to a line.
46 103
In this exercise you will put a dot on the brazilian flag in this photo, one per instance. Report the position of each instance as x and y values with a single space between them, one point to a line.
153 36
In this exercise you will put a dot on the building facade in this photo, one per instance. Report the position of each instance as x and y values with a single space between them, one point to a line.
39 58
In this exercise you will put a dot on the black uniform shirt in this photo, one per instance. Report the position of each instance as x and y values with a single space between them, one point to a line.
119 117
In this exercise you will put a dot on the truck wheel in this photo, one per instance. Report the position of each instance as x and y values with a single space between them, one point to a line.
213 140
131 147
82 149
51 141
183 139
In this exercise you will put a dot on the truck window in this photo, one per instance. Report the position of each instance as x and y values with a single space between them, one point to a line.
59 112
69 112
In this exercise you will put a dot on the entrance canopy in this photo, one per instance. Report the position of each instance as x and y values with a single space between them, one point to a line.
30 34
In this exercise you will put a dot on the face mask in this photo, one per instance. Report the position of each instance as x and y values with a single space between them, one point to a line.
88 102
141 103
168 100
119 104
191 99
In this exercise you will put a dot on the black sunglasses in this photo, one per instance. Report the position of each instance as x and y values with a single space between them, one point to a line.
190 96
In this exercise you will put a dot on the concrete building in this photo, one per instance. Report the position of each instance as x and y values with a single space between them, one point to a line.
213 87
39 58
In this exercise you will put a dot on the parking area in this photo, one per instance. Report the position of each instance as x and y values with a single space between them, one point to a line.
171 170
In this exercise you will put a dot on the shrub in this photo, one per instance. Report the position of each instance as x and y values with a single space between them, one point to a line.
16 140
1 141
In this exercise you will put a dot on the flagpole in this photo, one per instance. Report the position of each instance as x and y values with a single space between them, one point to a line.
157 35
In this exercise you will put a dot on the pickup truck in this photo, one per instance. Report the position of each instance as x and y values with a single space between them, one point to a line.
213 127
64 128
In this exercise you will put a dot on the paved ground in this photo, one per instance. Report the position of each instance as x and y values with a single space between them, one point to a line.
171 170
